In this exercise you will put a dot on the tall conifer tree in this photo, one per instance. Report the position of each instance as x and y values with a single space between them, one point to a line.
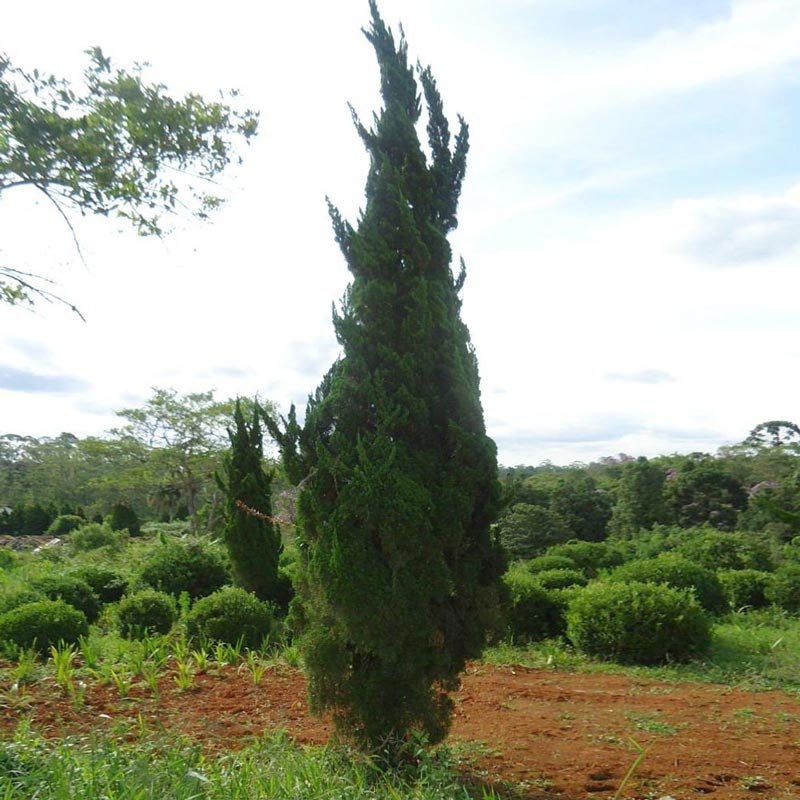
252 538
399 573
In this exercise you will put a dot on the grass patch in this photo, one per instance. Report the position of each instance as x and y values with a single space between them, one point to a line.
753 650
107 769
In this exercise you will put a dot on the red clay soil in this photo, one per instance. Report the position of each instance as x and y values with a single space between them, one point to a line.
542 734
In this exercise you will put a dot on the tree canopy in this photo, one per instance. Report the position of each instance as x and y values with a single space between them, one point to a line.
120 145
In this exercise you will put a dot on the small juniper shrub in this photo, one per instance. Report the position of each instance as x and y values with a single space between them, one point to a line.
532 613
16 596
678 572
192 566
146 612
230 615
746 588
560 578
42 624
638 623
548 562
591 557
65 523
93 536
784 590
71 589
106 583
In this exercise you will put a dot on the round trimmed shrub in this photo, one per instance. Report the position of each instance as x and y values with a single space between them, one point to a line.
18 596
145 613
679 573
229 615
545 563
746 588
65 523
71 589
715 549
185 566
108 585
560 578
92 536
532 613
43 623
638 623
785 588
590 557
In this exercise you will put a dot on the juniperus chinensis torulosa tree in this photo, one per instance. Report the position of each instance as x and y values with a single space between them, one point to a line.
399 575
252 538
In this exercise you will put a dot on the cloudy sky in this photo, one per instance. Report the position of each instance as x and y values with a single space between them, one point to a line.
630 218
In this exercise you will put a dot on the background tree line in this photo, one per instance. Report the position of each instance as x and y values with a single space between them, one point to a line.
161 462
753 486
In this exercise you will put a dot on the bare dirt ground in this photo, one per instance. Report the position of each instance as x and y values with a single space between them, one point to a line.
539 734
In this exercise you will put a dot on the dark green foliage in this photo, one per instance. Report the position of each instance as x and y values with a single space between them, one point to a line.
123 517
18 596
678 572
590 557
108 585
251 536
146 612
746 588
560 578
543 563
229 615
532 613
526 530
639 623
36 519
584 508
190 566
65 523
785 588
399 575
7 559
703 491
43 623
71 589
639 501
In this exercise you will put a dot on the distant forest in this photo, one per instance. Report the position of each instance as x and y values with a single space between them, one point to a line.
162 464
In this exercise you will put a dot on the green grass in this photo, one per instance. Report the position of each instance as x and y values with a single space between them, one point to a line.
754 650
105 769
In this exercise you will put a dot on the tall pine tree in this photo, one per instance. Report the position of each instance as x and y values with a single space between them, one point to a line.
252 538
399 573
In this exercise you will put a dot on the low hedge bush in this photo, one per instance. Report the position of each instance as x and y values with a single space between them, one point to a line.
65 523
638 623
146 612
591 557
185 566
746 588
678 572
784 590
545 563
18 596
229 615
107 584
560 578
71 589
42 624
532 613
